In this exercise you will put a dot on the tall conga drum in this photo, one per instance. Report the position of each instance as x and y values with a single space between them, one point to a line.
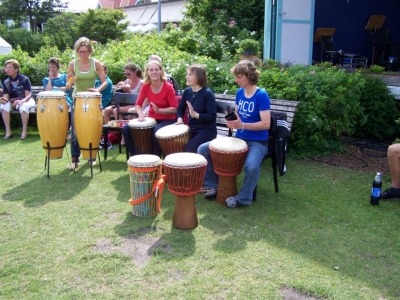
173 138
145 184
52 120
142 135
184 175
88 120
228 155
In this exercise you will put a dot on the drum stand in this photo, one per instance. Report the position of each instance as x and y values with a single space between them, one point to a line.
47 159
91 158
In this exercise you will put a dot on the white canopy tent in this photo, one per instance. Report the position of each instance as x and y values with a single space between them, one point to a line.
149 27
5 48
136 28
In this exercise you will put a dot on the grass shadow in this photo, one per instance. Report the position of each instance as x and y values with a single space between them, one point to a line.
41 190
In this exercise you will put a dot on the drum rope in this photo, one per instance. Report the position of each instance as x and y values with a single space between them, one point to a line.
158 188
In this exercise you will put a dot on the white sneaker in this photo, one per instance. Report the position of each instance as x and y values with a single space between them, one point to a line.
231 202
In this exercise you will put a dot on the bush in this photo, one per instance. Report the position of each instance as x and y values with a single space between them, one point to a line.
333 101
330 104
380 111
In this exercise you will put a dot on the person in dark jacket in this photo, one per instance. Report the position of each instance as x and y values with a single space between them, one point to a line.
252 124
199 101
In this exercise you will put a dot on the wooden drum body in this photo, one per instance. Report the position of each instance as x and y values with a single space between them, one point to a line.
52 120
228 155
173 138
144 171
88 122
185 174
142 135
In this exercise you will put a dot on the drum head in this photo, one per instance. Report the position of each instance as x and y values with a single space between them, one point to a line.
147 122
171 131
87 94
144 160
185 159
228 144
50 94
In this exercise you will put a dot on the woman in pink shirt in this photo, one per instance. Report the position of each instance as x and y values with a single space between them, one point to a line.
162 103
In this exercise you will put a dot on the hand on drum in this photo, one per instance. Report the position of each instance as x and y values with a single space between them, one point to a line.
92 90
235 124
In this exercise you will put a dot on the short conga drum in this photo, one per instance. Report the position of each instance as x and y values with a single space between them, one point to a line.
184 175
52 120
146 192
142 135
88 121
173 138
228 155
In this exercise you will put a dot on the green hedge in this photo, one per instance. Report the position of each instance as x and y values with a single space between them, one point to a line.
333 101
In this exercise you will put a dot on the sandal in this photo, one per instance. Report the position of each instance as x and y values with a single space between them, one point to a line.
75 164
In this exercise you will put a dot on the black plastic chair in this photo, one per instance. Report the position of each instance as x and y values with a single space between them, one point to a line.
122 99
328 50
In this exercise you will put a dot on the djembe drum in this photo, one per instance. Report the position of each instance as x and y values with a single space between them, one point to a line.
184 175
146 183
52 120
142 135
173 138
88 120
228 155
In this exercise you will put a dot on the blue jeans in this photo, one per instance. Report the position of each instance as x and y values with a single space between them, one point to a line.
252 169
126 132
198 137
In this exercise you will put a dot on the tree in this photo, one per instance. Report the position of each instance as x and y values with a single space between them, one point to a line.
245 14
34 11
102 25
61 31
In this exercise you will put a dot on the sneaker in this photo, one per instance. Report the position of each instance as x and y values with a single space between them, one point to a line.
211 194
232 202
389 194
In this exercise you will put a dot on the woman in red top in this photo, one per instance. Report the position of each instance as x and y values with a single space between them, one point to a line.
162 103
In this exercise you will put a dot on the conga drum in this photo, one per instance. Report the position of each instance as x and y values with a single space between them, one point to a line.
228 155
52 120
88 121
145 184
173 138
184 175
142 134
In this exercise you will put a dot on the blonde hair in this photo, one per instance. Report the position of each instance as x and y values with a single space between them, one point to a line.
14 63
83 42
163 76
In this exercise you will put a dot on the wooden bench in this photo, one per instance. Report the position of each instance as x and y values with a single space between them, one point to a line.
226 104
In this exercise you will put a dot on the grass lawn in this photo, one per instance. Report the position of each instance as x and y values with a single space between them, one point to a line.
73 237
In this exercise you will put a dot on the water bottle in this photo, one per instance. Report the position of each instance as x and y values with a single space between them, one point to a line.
376 189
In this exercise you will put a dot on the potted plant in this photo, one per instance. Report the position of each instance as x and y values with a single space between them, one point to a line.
249 49
390 78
